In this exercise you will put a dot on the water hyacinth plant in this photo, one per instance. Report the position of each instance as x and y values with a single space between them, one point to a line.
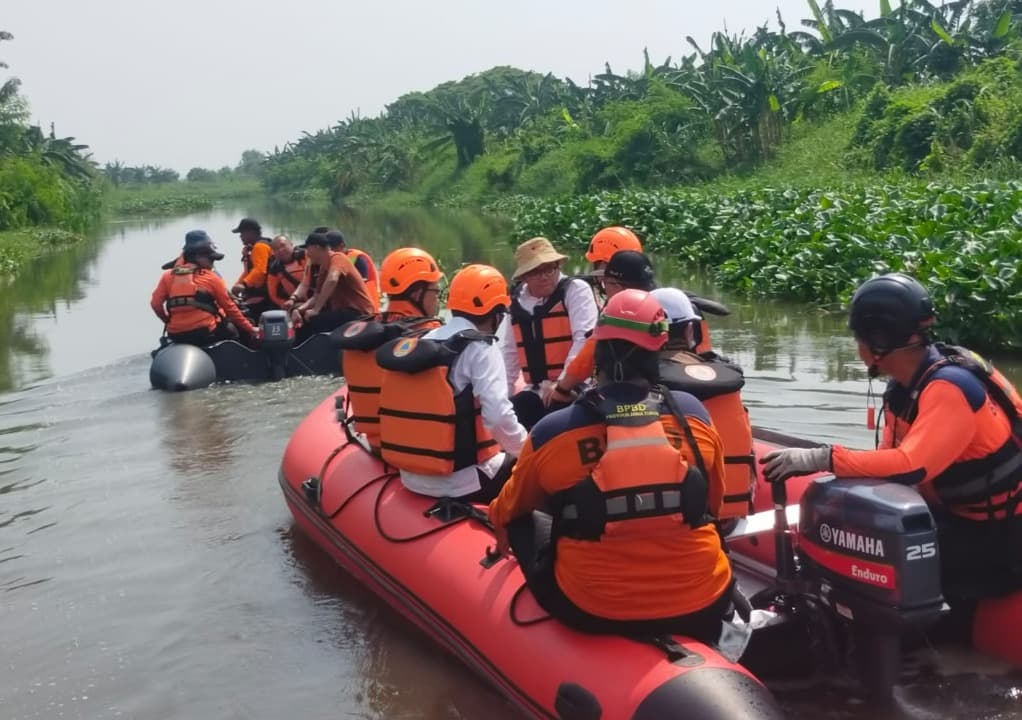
963 242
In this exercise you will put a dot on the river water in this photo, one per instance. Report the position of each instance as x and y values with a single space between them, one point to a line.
148 564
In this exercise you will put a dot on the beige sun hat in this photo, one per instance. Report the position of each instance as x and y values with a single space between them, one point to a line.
533 253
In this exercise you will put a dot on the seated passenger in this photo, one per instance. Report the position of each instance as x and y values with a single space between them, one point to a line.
551 314
630 547
255 258
362 262
952 428
445 418
339 295
285 271
718 385
193 301
627 270
411 278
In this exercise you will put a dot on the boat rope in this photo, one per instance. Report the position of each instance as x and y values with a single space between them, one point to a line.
513 610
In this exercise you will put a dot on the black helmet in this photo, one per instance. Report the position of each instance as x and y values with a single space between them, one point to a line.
888 310
197 243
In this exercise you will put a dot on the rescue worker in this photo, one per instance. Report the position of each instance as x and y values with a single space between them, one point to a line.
630 475
411 278
627 269
446 421
338 296
362 262
951 428
284 272
193 301
608 241
551 315
255 257
718 385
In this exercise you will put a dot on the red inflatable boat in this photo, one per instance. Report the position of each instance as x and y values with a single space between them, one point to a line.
426 563
427 566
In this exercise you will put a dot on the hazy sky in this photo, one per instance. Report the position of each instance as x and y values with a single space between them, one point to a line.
182 83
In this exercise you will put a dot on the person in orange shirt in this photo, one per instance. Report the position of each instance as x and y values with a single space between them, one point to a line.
193 301
632 476
285 271
411 278
360 259
952 430
339 295
255 259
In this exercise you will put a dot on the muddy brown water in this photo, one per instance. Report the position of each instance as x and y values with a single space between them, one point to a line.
148 565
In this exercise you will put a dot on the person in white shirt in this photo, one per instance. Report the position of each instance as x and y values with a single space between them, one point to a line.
446 421
551 316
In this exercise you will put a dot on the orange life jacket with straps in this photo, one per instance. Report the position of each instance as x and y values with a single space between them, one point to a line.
288 275
987 488
718 386
425 427
641 487
358 341
189 307
373 279
542 337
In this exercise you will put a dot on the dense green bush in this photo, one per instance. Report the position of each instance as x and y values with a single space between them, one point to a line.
963 242
33 192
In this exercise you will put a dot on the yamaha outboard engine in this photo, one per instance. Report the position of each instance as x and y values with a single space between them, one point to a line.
277 337
870 549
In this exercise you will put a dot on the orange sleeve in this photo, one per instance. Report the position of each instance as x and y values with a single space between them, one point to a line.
272 283
160 295
223 299
943 429
564 461
583 365
256 277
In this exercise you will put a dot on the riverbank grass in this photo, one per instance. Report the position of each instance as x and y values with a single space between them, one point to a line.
19 247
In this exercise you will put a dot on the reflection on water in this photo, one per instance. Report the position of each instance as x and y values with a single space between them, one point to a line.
148 565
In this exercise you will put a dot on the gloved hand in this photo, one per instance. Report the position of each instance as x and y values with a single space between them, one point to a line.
546 391
782 464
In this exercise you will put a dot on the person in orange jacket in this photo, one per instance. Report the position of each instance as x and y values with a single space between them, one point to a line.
193 301
446 421
952 429
255 260
411 279
285 271
632 476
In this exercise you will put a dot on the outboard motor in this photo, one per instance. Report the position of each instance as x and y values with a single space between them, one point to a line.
869 549
277 337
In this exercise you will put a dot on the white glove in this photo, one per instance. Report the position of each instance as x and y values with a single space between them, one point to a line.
546 391
782 464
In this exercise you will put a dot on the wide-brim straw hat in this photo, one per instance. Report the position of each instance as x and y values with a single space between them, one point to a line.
533 253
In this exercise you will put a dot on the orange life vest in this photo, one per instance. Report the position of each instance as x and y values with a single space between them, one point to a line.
246 262
987 488
704 345
289 275
543 337
189 307
641 488
373 281
424 426
718 385
358 341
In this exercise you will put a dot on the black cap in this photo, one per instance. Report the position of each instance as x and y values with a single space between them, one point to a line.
317 239
335 238
632 269
248 224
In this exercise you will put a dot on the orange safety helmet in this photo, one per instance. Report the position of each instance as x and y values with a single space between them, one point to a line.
608 241
478 289
406 266
634 316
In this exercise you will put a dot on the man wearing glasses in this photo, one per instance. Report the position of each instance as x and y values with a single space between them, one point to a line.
551 315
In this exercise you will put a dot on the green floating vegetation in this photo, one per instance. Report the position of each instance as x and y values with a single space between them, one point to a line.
963 241
18 247
178 197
